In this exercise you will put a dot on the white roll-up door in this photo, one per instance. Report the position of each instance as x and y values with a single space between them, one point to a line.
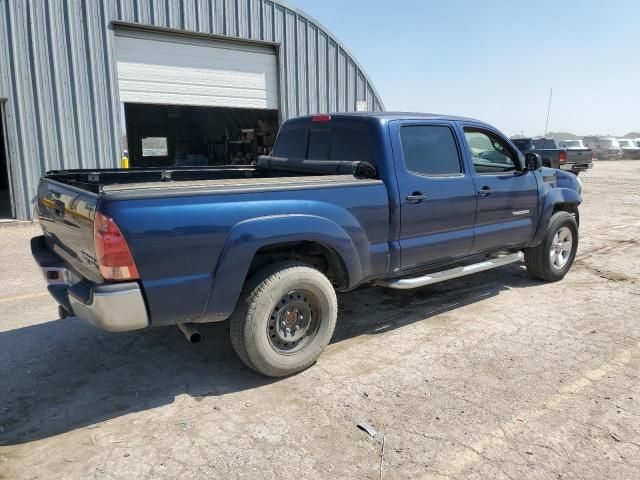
175 70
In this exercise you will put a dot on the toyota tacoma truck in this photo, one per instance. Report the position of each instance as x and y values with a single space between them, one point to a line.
396 200
575 159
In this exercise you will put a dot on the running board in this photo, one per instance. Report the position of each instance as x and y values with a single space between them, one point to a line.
408 283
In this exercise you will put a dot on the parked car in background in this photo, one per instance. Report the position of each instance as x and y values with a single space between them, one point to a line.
604 148
630 149
575 160
399 200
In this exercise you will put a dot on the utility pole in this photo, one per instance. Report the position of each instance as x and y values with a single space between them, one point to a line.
546 125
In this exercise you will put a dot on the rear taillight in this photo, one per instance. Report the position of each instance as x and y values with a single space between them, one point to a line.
112 252
563 157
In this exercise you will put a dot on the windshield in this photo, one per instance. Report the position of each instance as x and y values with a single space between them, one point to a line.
573 143
626 143
609 143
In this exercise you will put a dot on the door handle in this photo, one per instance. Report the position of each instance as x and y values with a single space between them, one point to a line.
416 197
485 191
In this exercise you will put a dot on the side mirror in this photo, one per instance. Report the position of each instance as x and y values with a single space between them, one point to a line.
533 161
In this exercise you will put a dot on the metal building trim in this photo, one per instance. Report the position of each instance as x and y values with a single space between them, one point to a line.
58 72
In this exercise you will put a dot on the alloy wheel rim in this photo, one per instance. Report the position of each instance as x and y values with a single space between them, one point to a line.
561 248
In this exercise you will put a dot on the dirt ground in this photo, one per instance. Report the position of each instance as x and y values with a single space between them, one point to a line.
491 376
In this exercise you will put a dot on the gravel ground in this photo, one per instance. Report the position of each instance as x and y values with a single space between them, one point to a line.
490 376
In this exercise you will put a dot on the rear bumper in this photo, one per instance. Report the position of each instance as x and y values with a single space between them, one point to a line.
608 156
572 167
115 307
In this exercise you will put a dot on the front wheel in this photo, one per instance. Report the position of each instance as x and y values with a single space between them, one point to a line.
285 319
552 259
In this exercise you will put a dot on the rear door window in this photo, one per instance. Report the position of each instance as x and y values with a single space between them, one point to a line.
430 150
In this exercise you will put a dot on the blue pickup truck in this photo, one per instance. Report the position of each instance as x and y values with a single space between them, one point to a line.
398 200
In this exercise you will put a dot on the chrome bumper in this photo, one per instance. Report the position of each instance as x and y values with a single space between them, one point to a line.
115 307
580 166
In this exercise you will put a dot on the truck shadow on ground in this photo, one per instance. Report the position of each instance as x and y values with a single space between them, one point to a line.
64 374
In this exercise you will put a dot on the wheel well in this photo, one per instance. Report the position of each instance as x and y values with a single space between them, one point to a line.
571 208
318 255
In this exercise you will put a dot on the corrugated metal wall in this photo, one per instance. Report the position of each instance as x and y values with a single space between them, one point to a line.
57 72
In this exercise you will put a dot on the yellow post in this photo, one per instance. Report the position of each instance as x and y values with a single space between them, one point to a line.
124 163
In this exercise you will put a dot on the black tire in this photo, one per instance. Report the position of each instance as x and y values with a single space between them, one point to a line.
255 337
539 260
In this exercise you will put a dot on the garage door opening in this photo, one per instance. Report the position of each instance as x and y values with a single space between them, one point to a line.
187 136
196 100
6 207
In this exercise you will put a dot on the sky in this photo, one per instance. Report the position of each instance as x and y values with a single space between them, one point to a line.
496 60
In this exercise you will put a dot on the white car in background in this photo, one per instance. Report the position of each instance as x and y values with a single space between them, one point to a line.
604 148
630 149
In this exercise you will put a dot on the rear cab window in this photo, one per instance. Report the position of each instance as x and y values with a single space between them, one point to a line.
544 143
291 143
523 144
325 142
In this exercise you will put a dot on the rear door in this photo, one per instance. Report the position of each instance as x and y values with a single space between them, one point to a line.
507 208
437 195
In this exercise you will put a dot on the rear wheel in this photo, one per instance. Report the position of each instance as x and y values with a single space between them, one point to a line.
285 319
552 259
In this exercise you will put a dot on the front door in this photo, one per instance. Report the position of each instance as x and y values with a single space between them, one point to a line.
437 195
507 209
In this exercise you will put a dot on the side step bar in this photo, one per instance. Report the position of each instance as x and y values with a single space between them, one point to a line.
408 283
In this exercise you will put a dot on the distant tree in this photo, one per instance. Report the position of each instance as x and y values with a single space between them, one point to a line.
563 136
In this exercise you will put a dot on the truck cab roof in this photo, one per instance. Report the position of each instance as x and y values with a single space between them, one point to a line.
387 116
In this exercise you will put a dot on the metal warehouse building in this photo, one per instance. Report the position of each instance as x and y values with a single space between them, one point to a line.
173 82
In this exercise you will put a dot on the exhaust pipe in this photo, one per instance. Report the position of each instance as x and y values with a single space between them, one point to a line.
193 335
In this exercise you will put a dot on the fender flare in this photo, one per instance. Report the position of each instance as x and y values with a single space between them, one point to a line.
553 197
249 236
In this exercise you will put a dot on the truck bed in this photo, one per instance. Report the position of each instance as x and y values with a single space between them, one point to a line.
170 181
216 186
96 180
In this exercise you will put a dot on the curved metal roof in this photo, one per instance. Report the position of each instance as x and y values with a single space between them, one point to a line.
301 13
58 73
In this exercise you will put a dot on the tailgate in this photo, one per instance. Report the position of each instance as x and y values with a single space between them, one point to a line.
579 156
66 215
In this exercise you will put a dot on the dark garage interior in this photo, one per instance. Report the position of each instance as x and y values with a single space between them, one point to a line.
175 135
5 195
